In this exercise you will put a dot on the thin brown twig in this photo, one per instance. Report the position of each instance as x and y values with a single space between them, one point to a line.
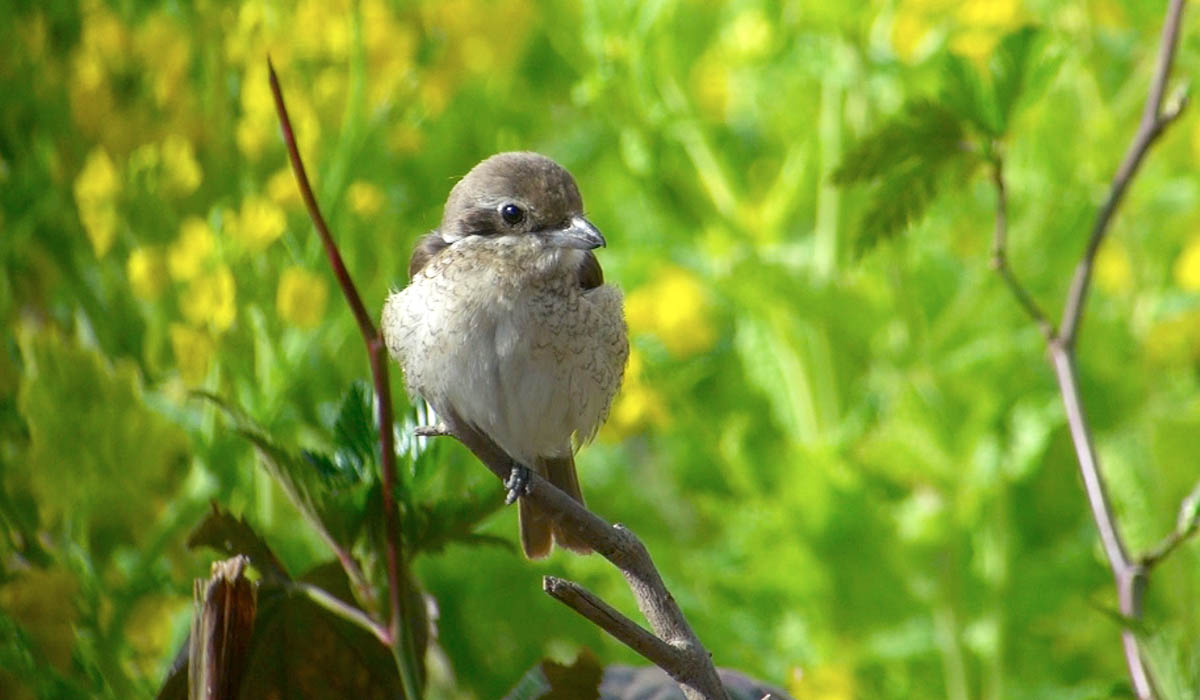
1000 255
1129 575
377 357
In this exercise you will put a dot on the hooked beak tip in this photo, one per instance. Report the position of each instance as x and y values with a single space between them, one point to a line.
580 234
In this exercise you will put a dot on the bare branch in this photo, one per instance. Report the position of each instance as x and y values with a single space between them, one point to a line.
612 621
377 357
1000 255
692 668
1154 121
1129 575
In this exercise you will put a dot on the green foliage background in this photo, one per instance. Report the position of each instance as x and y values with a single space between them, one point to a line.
842 445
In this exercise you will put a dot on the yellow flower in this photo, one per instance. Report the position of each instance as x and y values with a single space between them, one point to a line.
282 187
982 24
96 190
147 272
909 31
193 349
181 171
365 198
209 300
301 297
674 308
166 53
189 253
825 682
260 222
1114 272
637 406
1187 266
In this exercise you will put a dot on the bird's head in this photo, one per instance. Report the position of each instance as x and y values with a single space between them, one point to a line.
519 194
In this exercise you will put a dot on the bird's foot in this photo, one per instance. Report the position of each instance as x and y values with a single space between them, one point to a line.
517 483
439 430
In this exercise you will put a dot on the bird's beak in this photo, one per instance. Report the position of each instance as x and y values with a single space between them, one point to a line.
578 233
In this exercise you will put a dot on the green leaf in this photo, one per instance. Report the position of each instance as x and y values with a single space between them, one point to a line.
334 506
964 92
1020 69
907 156
923 132
94 441
898 202
356 439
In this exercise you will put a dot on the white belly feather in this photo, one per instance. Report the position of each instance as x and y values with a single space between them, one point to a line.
500 333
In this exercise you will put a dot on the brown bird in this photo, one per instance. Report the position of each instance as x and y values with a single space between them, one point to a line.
507 325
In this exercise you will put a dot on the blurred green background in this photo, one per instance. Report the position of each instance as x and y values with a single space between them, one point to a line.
852 470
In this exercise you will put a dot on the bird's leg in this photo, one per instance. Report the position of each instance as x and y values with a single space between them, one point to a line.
439 430
517 483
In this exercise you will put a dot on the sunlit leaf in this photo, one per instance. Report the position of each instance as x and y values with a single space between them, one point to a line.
93 440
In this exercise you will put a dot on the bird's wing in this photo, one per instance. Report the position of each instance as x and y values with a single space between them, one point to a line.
427 248
590 274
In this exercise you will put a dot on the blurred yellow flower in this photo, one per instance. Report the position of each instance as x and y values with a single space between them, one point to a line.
1174 339
909 31
365 198
181 172
1114 271
750 35
825 682
637 405
674 307
147 272
260 222
329 30
96 190
982 24
166 53
301 297
209 300
1187 266
193 349
189 253
711 84
282 187
258 124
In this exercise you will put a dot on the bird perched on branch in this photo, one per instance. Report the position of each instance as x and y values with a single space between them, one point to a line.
507 325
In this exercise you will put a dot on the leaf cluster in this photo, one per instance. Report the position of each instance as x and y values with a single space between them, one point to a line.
911 156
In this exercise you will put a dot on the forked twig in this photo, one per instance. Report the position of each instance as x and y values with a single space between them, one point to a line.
1130 575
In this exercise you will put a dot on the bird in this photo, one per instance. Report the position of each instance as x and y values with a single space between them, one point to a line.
507 325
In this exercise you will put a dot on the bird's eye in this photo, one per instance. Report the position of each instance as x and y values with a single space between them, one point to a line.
512 214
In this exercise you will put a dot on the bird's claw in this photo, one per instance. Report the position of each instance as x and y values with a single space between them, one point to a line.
439 430
517 483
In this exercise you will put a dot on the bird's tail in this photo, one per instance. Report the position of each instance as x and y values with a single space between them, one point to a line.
537 527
